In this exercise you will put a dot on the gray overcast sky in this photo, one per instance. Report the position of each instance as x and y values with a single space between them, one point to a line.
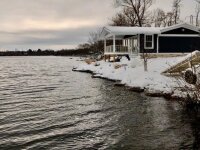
59 24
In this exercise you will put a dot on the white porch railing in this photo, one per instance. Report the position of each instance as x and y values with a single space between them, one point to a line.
118 49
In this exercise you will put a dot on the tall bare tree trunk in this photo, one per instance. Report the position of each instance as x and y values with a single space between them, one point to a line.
176 10
197 12
145 58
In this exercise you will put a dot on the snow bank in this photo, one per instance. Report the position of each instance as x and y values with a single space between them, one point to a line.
134 75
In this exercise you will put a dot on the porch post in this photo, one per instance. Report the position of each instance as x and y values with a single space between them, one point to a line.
157 43
138 43
104 45
114 44
128 41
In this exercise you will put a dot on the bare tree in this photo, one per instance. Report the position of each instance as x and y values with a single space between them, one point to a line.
176 10
119 20
84 46
169 19
126 17
162 18
95 44
139 8
130 16
197 12
158 18
166 19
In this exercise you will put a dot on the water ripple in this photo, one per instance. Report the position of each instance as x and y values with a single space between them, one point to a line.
44 105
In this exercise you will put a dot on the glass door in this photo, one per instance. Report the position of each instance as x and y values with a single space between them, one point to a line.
134 45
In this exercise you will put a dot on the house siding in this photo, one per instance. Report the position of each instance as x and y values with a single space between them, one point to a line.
142 47
180 31
178 44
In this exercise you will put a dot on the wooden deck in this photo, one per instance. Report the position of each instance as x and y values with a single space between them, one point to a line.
183 65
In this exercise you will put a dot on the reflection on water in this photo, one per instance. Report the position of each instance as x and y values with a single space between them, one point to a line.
195 125
44 105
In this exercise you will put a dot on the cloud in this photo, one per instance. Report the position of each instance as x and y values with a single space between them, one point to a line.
56 23
50 23
48 38
28 24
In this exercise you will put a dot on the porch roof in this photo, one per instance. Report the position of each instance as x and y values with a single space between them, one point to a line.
120 30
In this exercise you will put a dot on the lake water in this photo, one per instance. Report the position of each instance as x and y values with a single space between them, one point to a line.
44 105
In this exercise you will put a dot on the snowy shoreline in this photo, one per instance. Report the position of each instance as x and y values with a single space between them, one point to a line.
131 74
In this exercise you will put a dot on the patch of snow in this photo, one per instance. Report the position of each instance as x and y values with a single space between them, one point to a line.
132 74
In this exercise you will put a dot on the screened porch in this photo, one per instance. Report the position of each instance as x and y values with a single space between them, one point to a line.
123 46
130 38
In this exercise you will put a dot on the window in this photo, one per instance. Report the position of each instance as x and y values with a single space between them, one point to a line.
149 42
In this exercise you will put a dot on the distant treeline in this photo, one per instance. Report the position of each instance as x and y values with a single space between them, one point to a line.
39 52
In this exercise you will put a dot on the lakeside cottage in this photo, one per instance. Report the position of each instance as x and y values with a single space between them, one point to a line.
181 38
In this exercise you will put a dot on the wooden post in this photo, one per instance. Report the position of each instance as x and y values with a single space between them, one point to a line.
114 44
157 43
128 41
104 45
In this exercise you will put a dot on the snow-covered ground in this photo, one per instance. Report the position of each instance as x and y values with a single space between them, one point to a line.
132 74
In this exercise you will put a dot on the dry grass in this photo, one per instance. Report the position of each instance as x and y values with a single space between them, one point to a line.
89 61
161 55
